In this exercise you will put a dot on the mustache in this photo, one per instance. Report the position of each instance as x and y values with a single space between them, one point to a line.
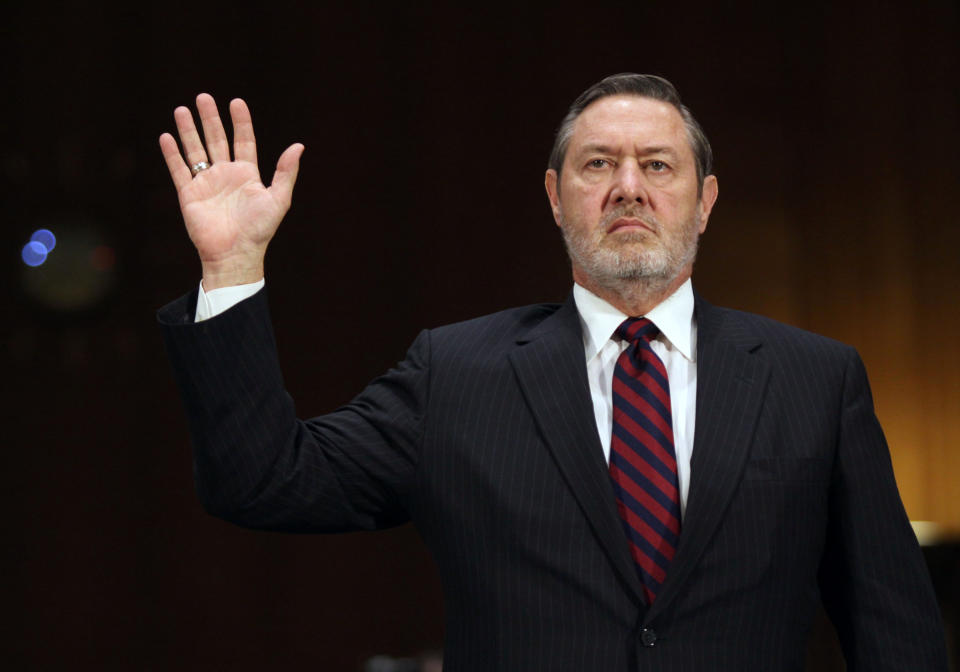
630 210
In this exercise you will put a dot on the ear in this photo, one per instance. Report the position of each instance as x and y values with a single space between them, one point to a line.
707 199
551 182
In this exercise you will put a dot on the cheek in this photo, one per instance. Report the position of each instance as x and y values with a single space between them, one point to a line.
683 199
581 201
664 200
676 210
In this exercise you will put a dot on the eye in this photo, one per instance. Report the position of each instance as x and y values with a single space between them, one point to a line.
597 163
658 166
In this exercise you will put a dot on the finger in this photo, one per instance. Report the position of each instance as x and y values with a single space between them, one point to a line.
193 149
179 172
244 144
216 138
288 165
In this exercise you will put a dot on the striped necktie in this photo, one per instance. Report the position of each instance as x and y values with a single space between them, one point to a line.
643 464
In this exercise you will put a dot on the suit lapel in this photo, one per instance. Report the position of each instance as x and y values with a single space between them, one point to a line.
550 366
731 379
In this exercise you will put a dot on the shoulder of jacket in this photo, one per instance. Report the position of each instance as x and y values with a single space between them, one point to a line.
773 332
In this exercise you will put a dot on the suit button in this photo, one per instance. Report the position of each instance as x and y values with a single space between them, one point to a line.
648 637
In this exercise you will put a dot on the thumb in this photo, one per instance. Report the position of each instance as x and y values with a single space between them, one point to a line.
288 165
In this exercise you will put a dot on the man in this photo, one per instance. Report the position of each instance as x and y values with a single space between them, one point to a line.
672 493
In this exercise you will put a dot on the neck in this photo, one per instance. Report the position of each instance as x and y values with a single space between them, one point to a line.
633 296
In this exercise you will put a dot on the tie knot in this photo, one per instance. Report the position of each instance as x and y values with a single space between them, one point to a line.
633 329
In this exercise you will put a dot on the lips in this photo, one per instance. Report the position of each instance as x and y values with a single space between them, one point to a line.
629 224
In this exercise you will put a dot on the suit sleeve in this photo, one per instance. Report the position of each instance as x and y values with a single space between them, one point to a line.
256 464
874 582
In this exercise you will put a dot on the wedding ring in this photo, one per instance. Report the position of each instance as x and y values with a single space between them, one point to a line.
197 167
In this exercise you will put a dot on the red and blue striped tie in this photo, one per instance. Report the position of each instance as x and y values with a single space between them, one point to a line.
643 464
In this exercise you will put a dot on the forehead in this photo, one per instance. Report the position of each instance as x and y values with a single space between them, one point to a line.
629 121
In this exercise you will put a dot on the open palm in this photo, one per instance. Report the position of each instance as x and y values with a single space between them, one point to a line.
229 214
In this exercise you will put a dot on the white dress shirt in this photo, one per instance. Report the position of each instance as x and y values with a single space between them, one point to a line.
675 345
212 303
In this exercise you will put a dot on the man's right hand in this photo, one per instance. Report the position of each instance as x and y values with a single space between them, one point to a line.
229 214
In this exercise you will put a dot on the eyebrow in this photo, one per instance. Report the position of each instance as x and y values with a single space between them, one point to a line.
646 151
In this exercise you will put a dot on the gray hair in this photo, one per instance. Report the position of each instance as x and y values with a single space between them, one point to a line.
645 86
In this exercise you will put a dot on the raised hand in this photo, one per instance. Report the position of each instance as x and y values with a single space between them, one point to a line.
230 215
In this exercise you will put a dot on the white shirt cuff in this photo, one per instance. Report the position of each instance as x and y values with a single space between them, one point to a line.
212 303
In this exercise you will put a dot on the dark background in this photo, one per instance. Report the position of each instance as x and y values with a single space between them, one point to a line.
419 202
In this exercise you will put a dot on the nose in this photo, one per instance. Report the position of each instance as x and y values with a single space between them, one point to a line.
629 185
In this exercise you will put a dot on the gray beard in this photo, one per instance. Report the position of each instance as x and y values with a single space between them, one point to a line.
632 274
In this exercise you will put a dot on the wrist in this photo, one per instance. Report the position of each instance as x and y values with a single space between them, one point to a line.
226 274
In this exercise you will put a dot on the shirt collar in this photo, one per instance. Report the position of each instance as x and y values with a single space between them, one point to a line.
673 316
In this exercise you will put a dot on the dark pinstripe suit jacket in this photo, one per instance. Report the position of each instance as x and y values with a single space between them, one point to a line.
484 436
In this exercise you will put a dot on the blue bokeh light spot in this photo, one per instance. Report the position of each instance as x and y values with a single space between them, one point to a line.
34 253
45 237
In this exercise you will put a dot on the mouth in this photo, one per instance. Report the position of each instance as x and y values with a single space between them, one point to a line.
629 224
